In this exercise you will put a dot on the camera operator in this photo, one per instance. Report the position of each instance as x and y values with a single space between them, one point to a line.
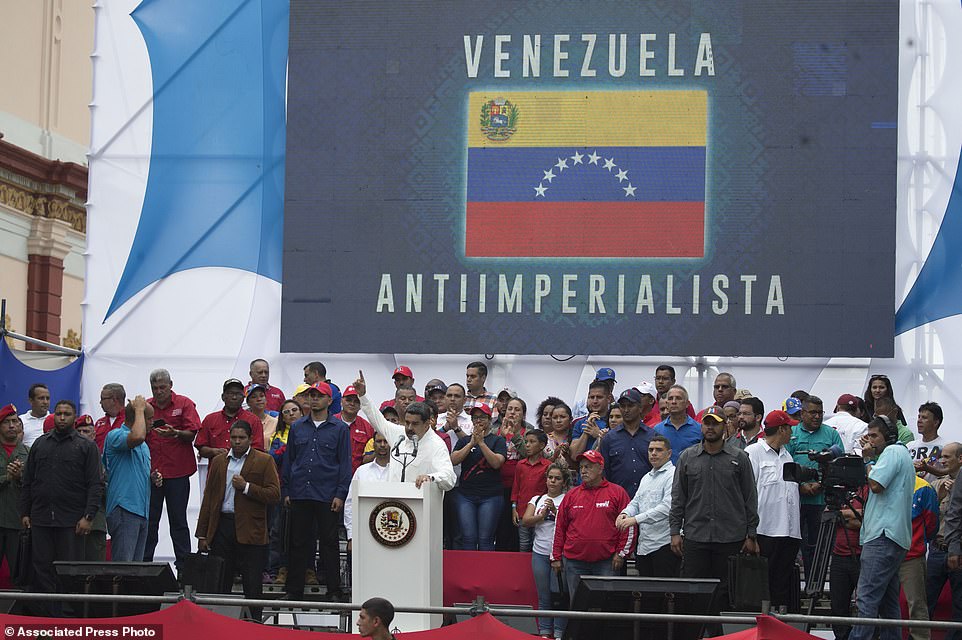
809 436
886 532
843 570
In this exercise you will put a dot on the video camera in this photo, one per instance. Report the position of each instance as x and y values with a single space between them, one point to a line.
839 474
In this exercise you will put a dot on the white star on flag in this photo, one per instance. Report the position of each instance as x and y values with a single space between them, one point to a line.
609 164
629 190
562 164
593 158
577 157
539 190
622 175
549 175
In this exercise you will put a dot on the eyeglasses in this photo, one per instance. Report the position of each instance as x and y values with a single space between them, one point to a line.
290 412
479 417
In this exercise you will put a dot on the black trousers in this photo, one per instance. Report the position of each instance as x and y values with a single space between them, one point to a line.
49 544
843 576
305 516
249 559
10 547
710 560
660 563
781 553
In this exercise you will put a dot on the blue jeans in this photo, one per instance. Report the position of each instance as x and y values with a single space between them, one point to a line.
877 595
525 537
938 573
478 516
128 535
574 569
547 583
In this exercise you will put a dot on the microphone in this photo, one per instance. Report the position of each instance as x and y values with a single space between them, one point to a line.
414 439
397 446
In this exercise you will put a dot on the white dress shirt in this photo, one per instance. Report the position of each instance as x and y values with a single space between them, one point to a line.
650 508
234 466
370 471
850 429
778 501
433 457
32 427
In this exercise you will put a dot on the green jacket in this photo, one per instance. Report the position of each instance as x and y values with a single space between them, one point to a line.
10 488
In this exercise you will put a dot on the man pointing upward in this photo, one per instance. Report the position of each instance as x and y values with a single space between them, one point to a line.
430 461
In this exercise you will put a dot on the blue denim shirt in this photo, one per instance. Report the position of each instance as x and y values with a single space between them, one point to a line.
317 463
626 456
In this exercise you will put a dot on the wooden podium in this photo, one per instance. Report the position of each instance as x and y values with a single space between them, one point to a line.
397 549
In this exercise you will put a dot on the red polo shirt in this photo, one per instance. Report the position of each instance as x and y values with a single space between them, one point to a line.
529 481
361 432
105 425
173 457
215 430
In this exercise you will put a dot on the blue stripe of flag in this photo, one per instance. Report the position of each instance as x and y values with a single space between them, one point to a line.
659 174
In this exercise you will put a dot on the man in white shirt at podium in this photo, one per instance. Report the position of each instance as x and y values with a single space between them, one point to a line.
377 470
420 460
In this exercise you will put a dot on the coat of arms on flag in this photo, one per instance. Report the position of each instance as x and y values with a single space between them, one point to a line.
590 174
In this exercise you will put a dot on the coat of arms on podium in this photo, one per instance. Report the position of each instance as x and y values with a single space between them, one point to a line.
392 523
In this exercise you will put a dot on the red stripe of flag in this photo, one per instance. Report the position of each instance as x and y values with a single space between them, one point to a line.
585 229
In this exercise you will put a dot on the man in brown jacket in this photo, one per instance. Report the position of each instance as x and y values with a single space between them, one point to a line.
241 485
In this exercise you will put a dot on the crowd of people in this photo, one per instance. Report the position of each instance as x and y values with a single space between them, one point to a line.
633 475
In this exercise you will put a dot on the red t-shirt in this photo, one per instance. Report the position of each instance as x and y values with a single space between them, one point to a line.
9 448
173 457
215 430
529 481
106 425
361 432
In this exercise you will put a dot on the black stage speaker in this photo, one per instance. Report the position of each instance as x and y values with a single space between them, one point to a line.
631 594
115 578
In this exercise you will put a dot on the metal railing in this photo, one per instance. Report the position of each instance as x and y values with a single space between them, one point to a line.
478 607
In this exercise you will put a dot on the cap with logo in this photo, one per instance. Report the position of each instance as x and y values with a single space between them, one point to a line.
605 373
349 391
593 455
83 421
848 400
403 371
791 406
233 382
322 387
251 388
630 395
483 408
646 388
713 413
301 388
435 385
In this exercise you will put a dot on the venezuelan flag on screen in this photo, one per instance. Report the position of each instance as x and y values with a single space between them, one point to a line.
586 174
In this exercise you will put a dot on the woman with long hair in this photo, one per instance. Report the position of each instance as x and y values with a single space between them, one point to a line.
277 559
510 425
879 386
540 514
559 435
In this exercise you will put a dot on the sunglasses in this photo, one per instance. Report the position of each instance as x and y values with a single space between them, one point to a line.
879 376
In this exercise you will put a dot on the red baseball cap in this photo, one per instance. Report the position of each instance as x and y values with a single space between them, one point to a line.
7 411
349 391
777 418
847 400
323 387
83 421
483 408
593 455
403 371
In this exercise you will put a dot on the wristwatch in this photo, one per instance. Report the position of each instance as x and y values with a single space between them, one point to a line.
89 517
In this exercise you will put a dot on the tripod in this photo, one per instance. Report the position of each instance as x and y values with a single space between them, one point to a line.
815 579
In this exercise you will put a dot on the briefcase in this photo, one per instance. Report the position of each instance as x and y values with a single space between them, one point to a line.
204 572
24 572
560 599
747 582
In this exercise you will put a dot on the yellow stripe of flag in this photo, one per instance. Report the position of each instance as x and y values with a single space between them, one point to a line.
597 118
